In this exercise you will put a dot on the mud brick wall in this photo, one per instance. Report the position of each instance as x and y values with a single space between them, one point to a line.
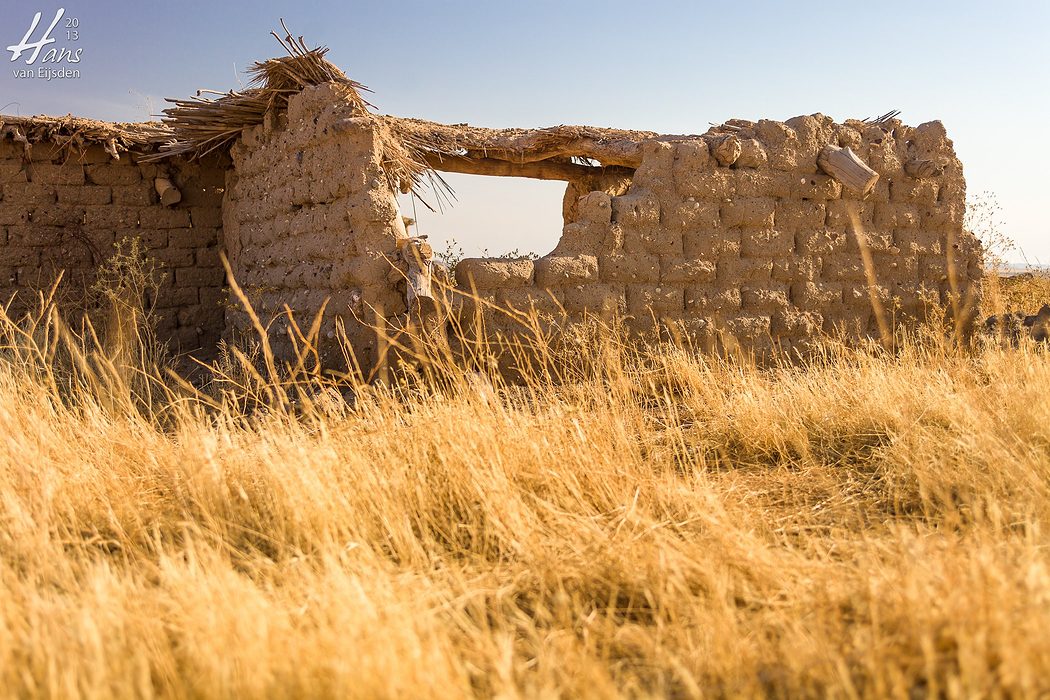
309 216
62 212
762 251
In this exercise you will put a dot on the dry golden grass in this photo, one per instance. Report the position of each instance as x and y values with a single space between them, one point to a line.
654 524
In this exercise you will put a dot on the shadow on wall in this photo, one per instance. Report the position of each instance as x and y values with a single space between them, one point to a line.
490 216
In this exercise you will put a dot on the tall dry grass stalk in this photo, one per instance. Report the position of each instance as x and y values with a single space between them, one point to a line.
642 522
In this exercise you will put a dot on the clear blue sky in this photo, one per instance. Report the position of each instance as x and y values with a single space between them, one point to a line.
982 68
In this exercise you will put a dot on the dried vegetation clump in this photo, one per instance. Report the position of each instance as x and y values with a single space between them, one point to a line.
623 522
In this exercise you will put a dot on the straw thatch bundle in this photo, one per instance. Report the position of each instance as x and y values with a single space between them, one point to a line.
201 124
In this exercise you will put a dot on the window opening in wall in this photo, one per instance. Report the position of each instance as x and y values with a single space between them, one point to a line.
489 217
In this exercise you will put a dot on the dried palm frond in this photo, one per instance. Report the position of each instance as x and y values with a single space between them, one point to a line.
201 124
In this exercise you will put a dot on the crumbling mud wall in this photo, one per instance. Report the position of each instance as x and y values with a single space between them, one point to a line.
62 211
740 240
310 217
737 238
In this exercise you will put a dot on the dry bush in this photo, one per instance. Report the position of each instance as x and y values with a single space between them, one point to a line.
634 522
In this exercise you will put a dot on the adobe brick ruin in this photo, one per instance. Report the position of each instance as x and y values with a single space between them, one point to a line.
62 211
737 237
764 249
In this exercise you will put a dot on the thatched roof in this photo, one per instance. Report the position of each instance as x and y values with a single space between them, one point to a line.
69 135
564 142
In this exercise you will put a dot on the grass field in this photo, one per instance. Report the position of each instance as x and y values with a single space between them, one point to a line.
654 524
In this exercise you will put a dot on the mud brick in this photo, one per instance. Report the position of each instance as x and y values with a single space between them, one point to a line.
488 273
843 267
686 270
876 240
661 300
750 183
942 216
841 214
15 255
800 215
657 161
28 193
753 212
151 240
629 268
69 173
952 191
815 295
59 215
765 298
738 270
212 317
895 266
34 235
528 299
176 297
594 207
918 241
604 300
692 160
199 196
196 237
636 210
157 217
206 217
94 154
693 215
188 317
791 323
711 244
194 277
879 194
216 295
889 215
752 154
821 242
913 191
795 267
112 173
174 257
655 240
857 296
712 300
102 239
83 194
933 268
766 243
133 195
353 271
749 329
207 257
12 171
112 217
553 271
186 339
14 215
583 237
817 186
714 185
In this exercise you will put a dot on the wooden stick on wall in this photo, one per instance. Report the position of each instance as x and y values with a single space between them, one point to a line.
844 165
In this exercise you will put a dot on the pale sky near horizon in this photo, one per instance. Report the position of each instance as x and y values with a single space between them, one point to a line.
671 67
